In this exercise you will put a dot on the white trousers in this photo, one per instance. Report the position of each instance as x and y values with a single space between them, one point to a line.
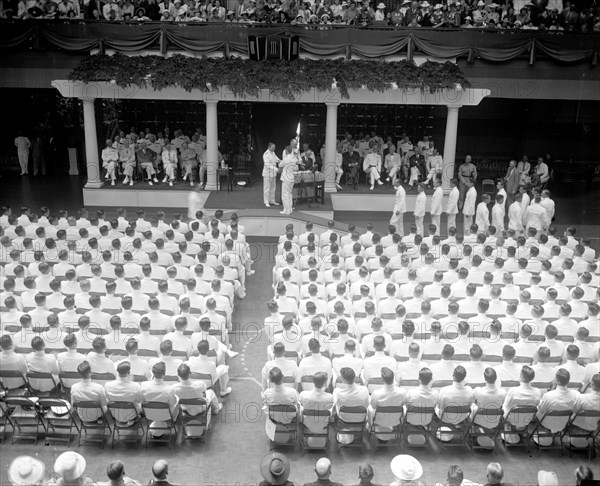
398 221
170 171
23 160
467 221
128 170
223 376
435 219
419 223
269 188
373 175
287 196
110 170
451 221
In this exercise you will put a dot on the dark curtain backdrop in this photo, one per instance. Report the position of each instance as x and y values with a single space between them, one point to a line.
273 122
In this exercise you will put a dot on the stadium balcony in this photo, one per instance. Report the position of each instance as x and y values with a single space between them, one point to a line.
317 41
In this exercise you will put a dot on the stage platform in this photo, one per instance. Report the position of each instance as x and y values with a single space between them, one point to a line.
381 199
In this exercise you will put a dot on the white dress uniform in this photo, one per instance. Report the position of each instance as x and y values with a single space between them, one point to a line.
436 208
269 175
469 207
289 165
420 211
482 219
397 218
452 207
515 217
169 158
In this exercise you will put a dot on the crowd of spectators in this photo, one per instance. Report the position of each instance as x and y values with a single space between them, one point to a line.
554 15
275 469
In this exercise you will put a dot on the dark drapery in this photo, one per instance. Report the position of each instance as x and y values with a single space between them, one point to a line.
367 43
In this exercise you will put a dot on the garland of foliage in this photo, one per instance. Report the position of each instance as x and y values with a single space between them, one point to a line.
285 79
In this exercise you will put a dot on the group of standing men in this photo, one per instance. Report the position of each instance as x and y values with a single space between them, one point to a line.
290 162
512 198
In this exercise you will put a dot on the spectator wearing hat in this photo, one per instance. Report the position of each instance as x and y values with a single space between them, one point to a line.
26 471
406 470
116 475
70 469
380 12
275 469
323 471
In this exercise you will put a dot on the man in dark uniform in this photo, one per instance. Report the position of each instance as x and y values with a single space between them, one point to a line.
351 163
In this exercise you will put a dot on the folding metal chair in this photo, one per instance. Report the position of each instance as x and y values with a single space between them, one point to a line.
160 419
17 388
515 428
314 429
22 414
375 384
206 378
455 420
551 427
103 378
417 422
58 419
92 421
351 422
386 426
127 423
194 426
487 422
285 419
36 379
582 427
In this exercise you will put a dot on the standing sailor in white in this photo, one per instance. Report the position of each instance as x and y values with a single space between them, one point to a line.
469 205
420 208
482 219
269 175
289 165
498 213
397 218
436 204
515 215
452 204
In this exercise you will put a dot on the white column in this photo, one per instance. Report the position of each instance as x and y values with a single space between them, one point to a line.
91 144
450 146
212 145
330 146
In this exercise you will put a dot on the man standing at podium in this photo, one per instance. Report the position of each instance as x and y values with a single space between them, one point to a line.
269 174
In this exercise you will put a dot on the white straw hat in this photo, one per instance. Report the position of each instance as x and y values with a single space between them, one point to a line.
26 471
406 467
70 465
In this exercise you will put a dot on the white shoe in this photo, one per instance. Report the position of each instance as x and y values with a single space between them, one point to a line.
125 181
131 182
171 183
226 392
219 408
379 182
150 183
155 180
267 205
112 183
192 183
387 180
282 212
372 187
275 204
165 179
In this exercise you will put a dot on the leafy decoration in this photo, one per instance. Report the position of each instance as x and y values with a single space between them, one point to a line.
284 79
